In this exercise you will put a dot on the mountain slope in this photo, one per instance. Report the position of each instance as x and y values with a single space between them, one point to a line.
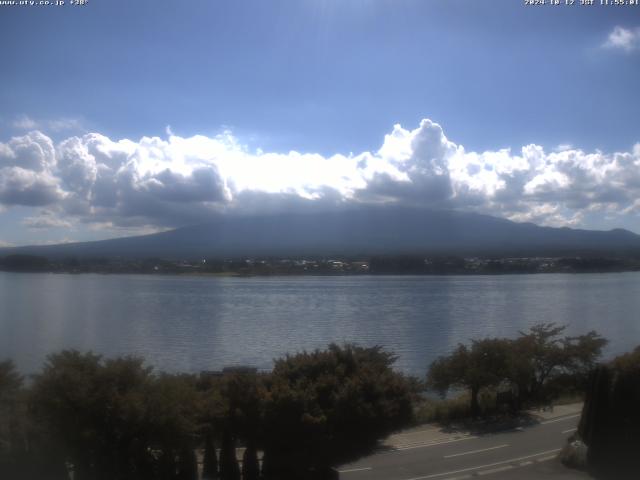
365 231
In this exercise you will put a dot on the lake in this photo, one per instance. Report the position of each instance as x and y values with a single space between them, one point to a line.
181 323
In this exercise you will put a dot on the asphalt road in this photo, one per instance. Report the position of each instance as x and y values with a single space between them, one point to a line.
528 453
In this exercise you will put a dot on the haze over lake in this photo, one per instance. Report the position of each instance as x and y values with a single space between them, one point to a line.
206 323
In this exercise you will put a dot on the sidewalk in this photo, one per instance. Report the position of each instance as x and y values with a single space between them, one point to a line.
431 434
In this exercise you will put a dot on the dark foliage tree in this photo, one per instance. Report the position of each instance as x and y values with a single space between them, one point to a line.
64 400
167 468
325 406
10 389
114 419
210 459
187 464
250 464
541 358
484 364
233 403
610 422
537 364
171 408
229 469
12 420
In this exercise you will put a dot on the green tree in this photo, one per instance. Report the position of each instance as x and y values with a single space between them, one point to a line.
233 404
64 401
325 406
542 355
114 419
484 364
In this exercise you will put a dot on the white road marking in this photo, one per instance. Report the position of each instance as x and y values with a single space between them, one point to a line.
349 470
569 430
415 432
512 460
495 470
432 444
545 459
476 451
560 419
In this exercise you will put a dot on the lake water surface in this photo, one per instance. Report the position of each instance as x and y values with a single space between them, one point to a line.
203 323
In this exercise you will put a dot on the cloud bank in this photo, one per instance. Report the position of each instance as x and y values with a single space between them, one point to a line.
157 183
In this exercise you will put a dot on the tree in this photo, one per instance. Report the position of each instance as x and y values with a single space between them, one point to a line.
64 401
535 363
10 385
210 460
12 417
233 405
115 419
484 364
10 380
187 464
250 464
542 355
229 469
610 422
324 406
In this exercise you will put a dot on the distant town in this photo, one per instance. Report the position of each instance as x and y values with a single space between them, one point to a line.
382 265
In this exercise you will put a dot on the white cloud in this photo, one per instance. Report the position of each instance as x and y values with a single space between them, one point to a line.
33 151
562 147
623 38
24 122
65 124
27 166
19 186
56 125
156 183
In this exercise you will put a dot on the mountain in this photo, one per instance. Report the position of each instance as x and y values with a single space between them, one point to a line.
351 232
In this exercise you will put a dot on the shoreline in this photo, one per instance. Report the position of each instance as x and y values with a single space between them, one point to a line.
319 274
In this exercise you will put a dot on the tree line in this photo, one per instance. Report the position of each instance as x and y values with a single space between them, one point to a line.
118 419
533 368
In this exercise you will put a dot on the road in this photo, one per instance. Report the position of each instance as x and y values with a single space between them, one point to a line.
526 452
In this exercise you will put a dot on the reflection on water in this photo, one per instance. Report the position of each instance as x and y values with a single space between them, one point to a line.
195 323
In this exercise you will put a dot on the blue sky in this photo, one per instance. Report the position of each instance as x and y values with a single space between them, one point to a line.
255 80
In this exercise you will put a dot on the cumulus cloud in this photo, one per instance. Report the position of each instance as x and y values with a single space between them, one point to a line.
157 183
19 186
621 38
27 165
33 151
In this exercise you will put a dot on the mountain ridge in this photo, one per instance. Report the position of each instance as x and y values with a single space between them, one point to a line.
351 232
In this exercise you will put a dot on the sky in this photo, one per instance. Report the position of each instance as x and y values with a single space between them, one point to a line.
120 117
